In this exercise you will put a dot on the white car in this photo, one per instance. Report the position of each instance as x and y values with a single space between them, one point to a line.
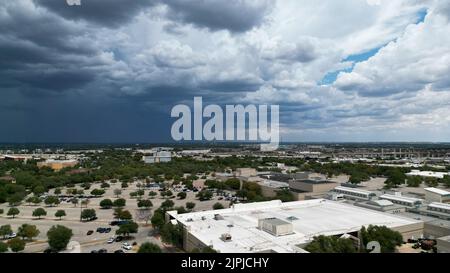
111 240
11 236
126 246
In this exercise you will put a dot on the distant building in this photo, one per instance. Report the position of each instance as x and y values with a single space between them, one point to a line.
409 202
157 157
353 193
437 195
57 165
439 210
439 175
381 205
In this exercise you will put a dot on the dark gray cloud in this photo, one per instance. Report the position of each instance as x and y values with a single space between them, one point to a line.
108 13
232 15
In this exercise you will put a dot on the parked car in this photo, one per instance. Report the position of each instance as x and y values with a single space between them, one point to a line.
11 236
49 250
119 238
90 232
126 246
119 251
111 240
107 230
103 250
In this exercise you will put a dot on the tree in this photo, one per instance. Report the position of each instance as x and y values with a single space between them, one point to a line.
167 205
145 204
58 237
446 181
395 178
51 201
15 199
182 195
117 192
16 244
125 215
38 190
106 203
105 185
124 185
84 202
28 231
88 214
39 212
60 214
152 194
119 203
331 244
127 229
74 201
414 181
3 247
149 248
13 212
190 205
5 230
181 210
172 234
34 200
97 192
158 219
1 211
204 195
57 191
388 238
233 184
217 206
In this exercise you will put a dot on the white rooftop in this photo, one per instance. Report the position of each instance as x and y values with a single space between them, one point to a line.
440 205
438 191
401 198
428 174
341 188
314 217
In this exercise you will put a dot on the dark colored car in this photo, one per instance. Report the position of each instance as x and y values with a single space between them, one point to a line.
90 232
119 238
119 251
107 230
94 251
49 250
103 250
100 230
114 223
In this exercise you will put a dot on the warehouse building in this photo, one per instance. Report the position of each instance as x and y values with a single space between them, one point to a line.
273 226
57 165
352 193
398 199
437 195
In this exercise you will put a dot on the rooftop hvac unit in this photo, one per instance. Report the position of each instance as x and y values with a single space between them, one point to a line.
226 237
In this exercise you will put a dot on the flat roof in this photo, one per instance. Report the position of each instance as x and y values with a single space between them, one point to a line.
440 205
314 217
438 191
353 190
401 198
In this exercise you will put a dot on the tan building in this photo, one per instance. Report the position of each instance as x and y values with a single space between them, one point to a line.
310 188
437 195
57 165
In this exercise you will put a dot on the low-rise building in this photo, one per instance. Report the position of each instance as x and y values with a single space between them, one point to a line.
353 193
278 227
57 165
409 202
437 195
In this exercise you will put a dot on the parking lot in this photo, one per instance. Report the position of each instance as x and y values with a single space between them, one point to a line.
97 240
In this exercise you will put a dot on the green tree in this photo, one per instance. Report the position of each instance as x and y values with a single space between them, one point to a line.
446 181
149 248
97 192
233 184
127 229
104 185
60 214
158 219
204 195
57 191
58 237
190 205
3 247
38 190
217 206
15 199
119 203
388 238
106 204
28 231
152 194
1 211
39 212
5 230
331 244
182 195
145 204
414 181
172 234
13 212
52 201
88 214
16 244
167 205
396 177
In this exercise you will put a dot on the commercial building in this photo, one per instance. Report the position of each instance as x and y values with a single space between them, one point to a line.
437 195
281 227
157 157
439 210
409 202
443 244
382 205
353 193
439 175
57 164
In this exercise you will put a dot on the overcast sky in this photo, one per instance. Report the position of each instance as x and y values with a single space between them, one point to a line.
111 70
